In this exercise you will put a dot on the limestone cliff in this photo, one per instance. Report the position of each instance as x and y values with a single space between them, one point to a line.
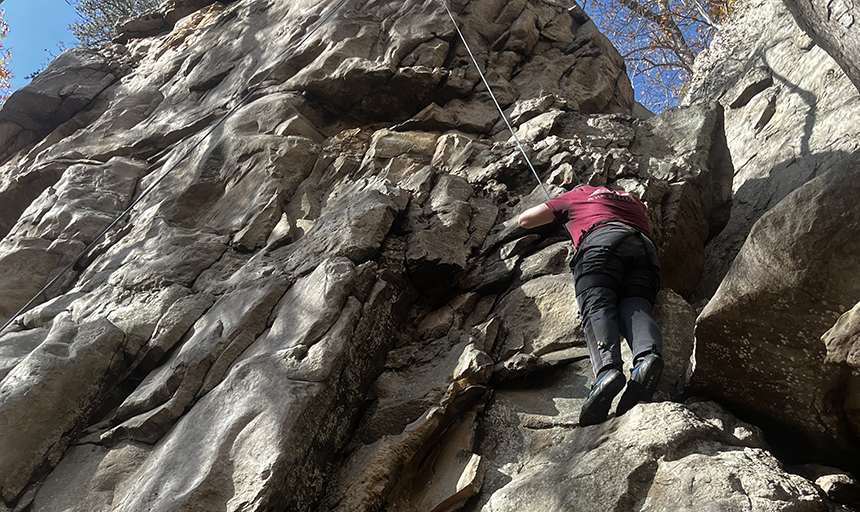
321 300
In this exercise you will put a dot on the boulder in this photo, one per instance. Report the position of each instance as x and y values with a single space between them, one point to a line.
839 486
637 460
759 341
655 448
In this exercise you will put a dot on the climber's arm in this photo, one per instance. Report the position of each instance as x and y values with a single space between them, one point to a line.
536 216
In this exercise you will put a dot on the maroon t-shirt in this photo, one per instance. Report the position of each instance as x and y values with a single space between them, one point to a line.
580 208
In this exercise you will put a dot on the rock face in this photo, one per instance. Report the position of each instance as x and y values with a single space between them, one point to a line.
791 128
324 302
790 116
758 340
571 473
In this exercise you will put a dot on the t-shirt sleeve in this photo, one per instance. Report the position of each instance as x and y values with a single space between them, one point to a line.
560 208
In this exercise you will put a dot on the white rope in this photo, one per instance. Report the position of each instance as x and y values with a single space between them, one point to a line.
152 187
501 112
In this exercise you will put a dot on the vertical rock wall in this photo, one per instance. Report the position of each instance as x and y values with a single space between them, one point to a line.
790 115
328 305
780 272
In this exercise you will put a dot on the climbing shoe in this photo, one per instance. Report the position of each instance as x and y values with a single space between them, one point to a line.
643 381
596 407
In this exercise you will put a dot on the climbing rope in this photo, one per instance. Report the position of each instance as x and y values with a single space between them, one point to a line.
501 112
241 103
492 95
161 178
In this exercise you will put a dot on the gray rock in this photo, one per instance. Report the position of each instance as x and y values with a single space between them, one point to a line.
217 340
84 202
518 365
46 396
62 90
677 320
312 303
541 315
265 420
574 75
440 233
406 394
759 339
137 315
20 261
44 314
419 410
86 478
148 24
554 259
656 447
157 20
353 223
839 486
840 342
156 255
366 477
697 208
781 137
17 345
20 186
61 222
172 325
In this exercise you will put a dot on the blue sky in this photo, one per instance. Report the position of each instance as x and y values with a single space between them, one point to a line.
35 26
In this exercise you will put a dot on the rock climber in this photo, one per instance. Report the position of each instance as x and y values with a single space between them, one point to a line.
616 276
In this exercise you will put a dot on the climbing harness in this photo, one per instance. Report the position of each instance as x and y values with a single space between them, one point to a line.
161 178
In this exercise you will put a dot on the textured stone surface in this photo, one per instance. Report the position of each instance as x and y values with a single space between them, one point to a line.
61 222
661 449
790 115
699 207
759 339
327 303
839 486
841 344
62 90
49 392
676 319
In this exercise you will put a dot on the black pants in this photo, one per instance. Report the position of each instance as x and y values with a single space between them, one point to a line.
617 276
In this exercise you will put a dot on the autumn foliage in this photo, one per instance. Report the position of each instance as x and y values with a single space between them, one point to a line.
659 40
5 59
